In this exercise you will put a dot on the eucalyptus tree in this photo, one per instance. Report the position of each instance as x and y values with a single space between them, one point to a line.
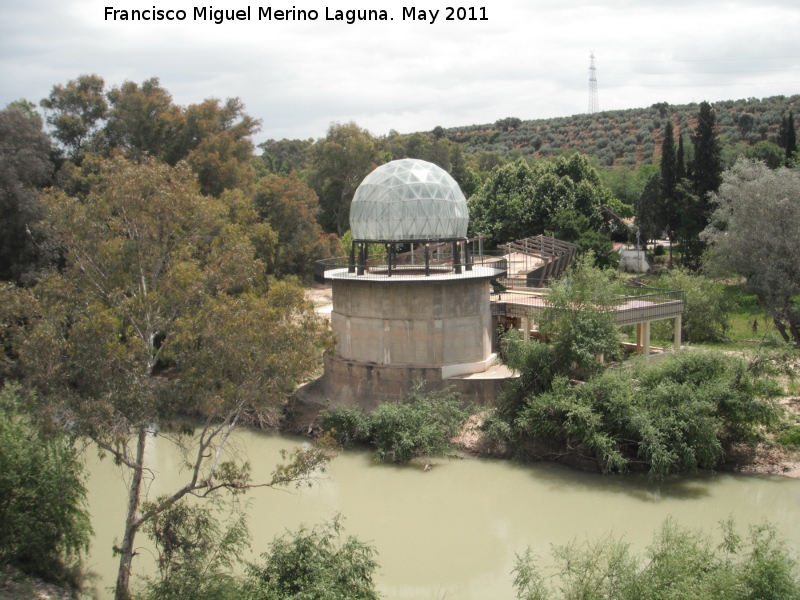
161 311
24 168
76 111
341 160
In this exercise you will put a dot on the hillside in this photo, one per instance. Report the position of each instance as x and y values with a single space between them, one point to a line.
624 137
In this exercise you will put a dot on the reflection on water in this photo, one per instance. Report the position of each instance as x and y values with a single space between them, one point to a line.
453 532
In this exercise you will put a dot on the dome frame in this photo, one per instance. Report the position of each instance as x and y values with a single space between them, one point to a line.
409 201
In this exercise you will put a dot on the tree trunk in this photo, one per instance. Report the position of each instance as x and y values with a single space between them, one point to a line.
670 251
131 526
794 327
781 328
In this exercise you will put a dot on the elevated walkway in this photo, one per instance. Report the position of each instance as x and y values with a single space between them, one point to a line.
523 308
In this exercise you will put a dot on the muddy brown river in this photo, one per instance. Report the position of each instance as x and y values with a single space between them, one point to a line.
451 532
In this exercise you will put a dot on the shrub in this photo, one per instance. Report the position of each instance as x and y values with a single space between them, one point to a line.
578 319
705 316
680 563
790 437
196 555
315 564
421 424
44 524
350 426
675 416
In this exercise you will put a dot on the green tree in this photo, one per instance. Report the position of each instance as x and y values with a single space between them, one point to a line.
27 108
706 311
508 124
288 205
76 111
680 161
196 552
649 210
439 154
669 167
286 156
142 120
791 140
156 274
521 200
627 184
415 145
572 226
215 140
465 177
315 564
770 154
706 168
25 168
341 161
578 320
755 233
44 523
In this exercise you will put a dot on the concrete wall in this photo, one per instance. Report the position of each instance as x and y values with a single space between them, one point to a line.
358 384
413 323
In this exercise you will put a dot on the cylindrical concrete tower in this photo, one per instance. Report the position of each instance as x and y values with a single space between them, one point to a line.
422 310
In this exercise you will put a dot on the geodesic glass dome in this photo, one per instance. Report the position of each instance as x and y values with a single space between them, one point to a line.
406 200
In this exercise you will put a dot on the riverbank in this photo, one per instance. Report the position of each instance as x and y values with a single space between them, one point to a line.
15 585
456 529
302 411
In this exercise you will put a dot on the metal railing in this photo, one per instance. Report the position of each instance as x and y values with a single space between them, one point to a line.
439 266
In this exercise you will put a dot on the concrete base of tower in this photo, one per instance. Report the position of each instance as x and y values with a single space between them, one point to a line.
354 383
435 323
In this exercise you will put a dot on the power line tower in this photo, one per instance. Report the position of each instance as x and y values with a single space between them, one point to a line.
594 104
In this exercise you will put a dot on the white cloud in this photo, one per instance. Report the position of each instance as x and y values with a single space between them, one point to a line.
529 59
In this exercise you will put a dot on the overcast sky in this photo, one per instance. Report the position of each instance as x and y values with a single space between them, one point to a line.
529 59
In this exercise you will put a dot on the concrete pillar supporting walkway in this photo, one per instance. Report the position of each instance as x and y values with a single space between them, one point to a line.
643 339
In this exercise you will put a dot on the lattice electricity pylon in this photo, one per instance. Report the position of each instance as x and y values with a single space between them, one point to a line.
594 103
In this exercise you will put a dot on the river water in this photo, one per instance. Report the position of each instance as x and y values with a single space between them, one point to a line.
451 532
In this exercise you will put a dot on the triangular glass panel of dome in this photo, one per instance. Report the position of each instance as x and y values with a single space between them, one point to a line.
419 174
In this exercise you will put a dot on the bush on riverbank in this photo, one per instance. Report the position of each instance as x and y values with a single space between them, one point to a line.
198 547
680 563
421 424
674 416
44 524
314 564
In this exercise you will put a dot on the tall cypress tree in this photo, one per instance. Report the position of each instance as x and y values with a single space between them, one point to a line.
670 210
680 164
783 130
706 177
791 139
668 163
707 171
